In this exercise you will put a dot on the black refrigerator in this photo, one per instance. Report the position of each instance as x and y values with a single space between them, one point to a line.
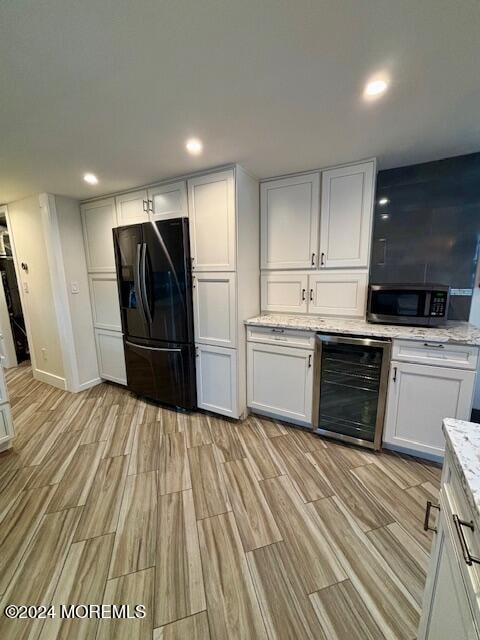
155 290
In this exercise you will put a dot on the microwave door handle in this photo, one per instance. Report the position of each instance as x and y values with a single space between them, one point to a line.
137 281
428 297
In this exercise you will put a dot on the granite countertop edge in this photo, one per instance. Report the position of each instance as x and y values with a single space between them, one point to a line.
463 441
462 333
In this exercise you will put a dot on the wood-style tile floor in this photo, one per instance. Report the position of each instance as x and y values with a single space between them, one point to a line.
221 530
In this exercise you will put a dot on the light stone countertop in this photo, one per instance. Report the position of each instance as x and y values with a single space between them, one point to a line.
452 332
463 439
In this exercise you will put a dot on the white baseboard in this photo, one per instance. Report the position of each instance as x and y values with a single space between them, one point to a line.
50 378
87 385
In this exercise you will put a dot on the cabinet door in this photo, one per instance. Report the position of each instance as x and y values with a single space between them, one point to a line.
338 293
217 380
214 304
346 217
419 397
6 422
280 381
132 207
104 299
111 357
98 220
284 292
446 612
211 204
168 201
289 222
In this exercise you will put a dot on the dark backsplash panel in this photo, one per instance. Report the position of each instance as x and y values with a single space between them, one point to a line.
430 229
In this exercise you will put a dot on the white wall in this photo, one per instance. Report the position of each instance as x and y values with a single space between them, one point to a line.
75 269
25 221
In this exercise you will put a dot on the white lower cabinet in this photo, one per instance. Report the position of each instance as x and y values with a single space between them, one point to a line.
280 381
338 293
450 608
215 308
111 357
6 426
419 397
217 384
449 613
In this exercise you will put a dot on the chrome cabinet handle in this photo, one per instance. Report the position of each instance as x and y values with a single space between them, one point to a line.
303 294
309 361
311 295
313 259
459 524
322 259
433 346
394 374
426 522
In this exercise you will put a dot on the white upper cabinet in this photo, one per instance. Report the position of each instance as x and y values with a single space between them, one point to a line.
346 215
215 309
132 207
338 292
98 220
289 222
168 201
284 292
211 204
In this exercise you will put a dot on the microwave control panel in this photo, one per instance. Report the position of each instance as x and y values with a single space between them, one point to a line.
438 304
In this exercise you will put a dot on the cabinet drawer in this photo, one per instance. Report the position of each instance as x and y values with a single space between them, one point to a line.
436 353
275 335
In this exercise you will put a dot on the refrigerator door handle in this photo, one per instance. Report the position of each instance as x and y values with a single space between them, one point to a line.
143 283
140 346
136 276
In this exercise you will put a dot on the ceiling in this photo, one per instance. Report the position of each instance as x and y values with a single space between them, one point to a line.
116 87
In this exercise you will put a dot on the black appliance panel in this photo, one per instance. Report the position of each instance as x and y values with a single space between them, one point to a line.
129 246
163 373
166 280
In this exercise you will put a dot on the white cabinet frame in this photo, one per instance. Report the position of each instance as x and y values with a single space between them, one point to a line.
212 226
132 207
354 215
98 220
98 299
172 201
215 308
287 226
217 386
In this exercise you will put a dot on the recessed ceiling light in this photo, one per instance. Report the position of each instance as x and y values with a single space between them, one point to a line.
385 216
194 146
383 201
91 178
375 88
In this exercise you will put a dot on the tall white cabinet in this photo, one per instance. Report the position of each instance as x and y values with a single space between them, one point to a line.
315 240
224 238
98 220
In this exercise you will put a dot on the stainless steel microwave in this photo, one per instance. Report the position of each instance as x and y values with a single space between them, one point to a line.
415 304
